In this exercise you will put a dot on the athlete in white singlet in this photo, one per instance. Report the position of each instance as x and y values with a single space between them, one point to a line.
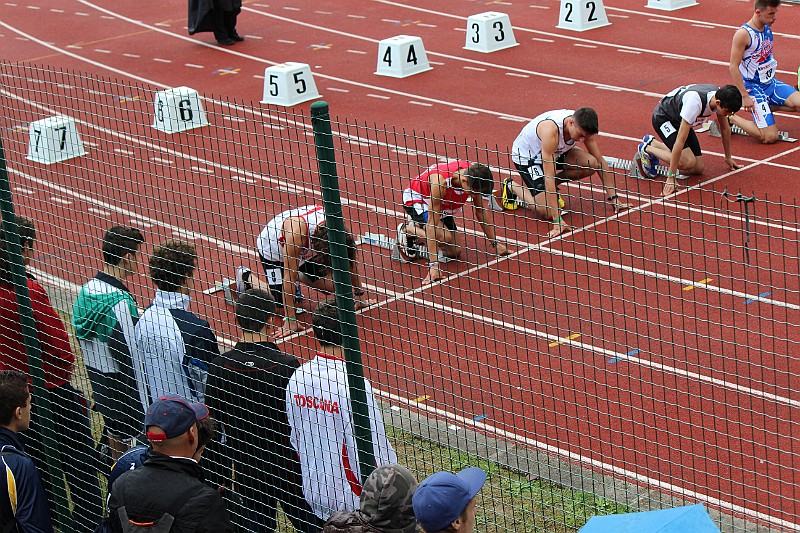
753 69
546 150
293 247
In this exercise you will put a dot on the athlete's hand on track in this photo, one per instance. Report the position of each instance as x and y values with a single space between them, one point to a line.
288 327
621 206
434 274
733 165
558 229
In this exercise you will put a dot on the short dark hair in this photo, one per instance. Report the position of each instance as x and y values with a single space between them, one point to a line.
254 310
763 4
586 117
729 97
120 241
479 178
326 324
206 429
13 393
27 236
319 243
171 264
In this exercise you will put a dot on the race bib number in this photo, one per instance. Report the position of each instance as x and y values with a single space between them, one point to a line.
767 71
274 276
667 129
536 171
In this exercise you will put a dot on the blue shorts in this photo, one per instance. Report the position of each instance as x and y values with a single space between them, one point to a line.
766 94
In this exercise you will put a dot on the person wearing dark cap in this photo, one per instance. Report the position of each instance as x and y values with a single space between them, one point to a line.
385 505
169 490
446 502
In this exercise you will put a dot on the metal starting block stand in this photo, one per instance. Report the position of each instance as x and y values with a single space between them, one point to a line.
633 169
713 130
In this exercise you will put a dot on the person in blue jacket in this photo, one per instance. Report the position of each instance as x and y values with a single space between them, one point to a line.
23 501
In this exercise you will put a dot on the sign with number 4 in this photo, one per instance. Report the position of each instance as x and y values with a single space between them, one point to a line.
582 15
401 56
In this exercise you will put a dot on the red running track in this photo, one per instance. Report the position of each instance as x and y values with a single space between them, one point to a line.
705 407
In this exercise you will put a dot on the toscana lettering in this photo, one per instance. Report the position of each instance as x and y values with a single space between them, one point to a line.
312 402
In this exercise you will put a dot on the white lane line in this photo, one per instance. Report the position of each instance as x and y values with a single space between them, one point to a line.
602 351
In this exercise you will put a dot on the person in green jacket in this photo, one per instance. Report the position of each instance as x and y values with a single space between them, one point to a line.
104 316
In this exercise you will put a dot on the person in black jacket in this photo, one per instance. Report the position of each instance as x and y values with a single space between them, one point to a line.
246 391
171 482
22 498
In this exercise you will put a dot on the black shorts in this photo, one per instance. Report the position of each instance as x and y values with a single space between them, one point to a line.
421 218
122 412
526 172
313 271
660 125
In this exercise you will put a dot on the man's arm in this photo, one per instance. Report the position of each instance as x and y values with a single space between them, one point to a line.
33 514
741 40
548 133
434 225
680 142
606 174
486 219
295 234
725 132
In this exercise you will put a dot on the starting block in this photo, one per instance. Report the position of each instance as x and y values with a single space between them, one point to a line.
289 84
401 56
633 169
178 109
578 15
54 139
670 5
713 130
489 32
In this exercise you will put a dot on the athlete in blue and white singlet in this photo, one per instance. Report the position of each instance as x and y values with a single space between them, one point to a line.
753 67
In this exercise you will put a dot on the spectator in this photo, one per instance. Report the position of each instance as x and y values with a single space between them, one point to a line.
23 501
218 16
136 457
247 391
320 416
103 317
446 502
169 488
176 346
385 505
69 412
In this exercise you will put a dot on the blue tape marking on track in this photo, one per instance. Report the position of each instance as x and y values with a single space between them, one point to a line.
480 417
615 359
762 295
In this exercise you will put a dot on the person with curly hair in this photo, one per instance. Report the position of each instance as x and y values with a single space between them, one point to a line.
175 345
293 248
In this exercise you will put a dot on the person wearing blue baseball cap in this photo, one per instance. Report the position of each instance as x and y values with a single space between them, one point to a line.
446 502
168 492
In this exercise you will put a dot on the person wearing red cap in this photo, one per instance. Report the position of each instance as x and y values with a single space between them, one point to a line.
170 488
446 502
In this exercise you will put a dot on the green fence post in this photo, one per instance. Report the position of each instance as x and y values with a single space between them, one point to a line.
340 263
55 476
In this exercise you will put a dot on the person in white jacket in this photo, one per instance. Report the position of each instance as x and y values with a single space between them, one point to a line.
321 421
